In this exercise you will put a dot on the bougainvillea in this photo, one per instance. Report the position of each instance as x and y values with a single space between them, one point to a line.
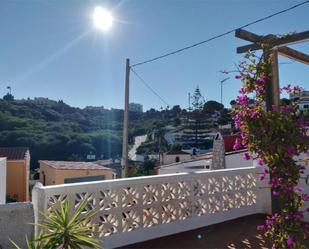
274 136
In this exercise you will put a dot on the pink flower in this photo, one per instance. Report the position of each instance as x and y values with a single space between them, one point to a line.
260 162
291 150
260 227
275 193
246 156
254 115
290 242
242 100
237 144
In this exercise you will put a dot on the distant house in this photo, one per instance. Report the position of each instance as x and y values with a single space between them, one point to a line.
174 157
187 166
61 172
134 107
18 168
204 163
2 180
115 166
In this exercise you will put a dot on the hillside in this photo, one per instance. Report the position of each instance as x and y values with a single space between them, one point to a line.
54 130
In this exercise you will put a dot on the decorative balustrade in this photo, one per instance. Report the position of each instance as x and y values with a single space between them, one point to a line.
137 209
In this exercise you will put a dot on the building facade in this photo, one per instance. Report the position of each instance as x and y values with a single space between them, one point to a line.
174 157
61 172
18 171
2 180
134 107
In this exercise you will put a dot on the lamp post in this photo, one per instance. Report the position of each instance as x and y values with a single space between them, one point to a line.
222 81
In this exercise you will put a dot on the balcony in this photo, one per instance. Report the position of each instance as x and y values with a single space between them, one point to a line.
141 209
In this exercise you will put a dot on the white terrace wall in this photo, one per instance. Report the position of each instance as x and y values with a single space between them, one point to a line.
137 209
16 222
2 180
304 183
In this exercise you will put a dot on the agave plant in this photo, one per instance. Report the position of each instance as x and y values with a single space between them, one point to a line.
62 230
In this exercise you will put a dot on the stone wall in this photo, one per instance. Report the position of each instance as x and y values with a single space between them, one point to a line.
16 221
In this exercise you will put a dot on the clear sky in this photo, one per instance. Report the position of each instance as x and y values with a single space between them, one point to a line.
51 49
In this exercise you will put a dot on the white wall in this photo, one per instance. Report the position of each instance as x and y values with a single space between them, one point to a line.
236 161
304 183
16 222
193 166
2 180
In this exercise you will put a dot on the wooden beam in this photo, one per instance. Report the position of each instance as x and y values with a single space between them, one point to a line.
275 88
292 39
294 54
246 48
276 42
248 36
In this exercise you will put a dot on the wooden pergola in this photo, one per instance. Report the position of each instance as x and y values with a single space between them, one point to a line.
277 46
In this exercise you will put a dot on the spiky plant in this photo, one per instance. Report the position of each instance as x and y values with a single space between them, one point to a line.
62 230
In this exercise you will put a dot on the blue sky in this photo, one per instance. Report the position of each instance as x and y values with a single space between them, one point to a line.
51 49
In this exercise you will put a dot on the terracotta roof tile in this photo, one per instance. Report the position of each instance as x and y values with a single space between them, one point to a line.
13 153
68 165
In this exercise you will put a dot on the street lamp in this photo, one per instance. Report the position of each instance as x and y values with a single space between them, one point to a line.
222 81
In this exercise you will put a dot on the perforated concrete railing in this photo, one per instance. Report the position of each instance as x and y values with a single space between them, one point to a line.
137 209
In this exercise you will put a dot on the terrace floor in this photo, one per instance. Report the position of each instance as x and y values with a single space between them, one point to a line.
236 234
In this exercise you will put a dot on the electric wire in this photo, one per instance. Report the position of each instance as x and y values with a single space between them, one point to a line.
149 87
218 36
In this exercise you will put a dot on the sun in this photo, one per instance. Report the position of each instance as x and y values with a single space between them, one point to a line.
102 18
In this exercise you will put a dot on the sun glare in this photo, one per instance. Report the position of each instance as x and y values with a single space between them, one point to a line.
102 18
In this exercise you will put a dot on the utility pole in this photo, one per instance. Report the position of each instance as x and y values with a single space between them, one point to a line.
222 81
124 159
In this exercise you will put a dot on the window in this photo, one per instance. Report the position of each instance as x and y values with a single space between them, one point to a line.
177 159
84 179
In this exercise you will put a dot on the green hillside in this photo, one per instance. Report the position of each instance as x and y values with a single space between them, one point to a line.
54 130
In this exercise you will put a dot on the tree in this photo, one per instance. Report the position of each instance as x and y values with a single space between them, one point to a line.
8 97
233 102
198 100
196 120
211 106
175 147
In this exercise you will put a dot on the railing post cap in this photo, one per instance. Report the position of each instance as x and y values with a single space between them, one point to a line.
38 185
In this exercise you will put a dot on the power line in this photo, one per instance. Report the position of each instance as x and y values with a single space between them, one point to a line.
149 87
218 36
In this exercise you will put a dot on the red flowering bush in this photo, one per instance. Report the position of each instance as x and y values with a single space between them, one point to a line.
274 138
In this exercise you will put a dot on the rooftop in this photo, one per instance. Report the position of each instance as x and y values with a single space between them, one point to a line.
68 165
14 153
229 235
180 152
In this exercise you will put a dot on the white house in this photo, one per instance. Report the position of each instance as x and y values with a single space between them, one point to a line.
174 157
2 180
204 162
188 167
